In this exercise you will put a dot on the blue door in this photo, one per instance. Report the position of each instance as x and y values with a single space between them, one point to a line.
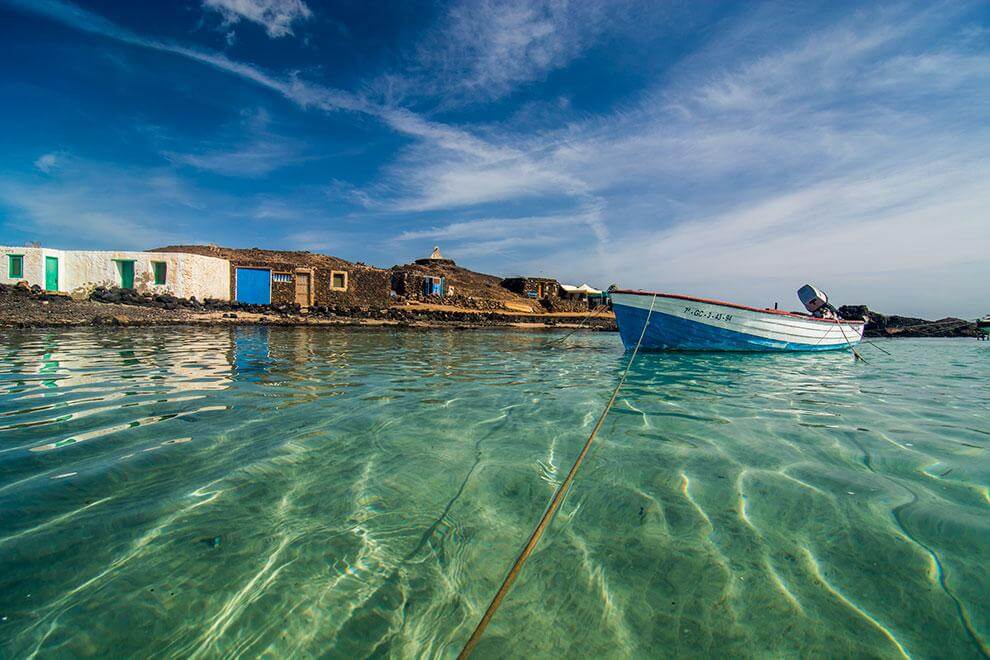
433 286
254 286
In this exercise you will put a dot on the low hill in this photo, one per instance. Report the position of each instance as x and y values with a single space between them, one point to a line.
300 258
471 284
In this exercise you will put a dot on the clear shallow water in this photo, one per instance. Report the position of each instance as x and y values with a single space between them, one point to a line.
206 492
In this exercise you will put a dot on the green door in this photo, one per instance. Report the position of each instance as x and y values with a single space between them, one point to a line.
51 273
126 274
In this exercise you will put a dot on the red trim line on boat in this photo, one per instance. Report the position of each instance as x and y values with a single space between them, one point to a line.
777 312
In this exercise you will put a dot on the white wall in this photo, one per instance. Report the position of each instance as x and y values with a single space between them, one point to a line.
34 265
186 275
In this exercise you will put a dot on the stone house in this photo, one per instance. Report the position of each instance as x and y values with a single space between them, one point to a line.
417 284
551 294
539 288
73 271
276 277
425 278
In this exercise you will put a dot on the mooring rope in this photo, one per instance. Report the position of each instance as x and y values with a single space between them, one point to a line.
590 315
851 347
870 343
555 503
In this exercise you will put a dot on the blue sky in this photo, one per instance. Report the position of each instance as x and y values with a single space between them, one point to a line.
721 149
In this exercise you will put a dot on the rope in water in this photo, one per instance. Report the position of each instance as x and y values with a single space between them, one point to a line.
870 343
593 313
838 322
555 503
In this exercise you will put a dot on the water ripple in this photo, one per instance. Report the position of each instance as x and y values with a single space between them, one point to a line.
349 493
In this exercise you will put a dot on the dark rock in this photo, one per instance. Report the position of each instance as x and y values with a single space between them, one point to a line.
880 325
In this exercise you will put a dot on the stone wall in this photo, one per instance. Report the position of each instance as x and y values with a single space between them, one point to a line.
411 283
531 286
366 286
33 265
566 304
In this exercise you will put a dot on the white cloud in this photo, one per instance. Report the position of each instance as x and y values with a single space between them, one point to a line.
276 16
488 228
482 50
255 159
485 48
515 168
876 240
245 148
920 217
451 182
47 162
503 237
846 151
826 161
93 204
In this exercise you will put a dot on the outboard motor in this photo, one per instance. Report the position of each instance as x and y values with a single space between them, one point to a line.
816 301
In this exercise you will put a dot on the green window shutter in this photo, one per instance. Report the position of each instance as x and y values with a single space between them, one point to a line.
15 265
161 270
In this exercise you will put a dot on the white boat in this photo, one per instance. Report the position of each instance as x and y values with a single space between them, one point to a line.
679 322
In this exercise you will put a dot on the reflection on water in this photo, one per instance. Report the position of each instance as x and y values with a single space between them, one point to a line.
189 492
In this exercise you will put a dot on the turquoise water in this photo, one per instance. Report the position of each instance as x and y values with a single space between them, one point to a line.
299 492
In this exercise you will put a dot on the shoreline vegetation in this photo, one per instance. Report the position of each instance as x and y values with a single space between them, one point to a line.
30 307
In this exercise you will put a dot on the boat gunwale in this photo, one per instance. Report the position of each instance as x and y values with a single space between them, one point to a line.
710 301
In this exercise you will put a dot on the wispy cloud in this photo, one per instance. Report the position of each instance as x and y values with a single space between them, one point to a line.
770 142
247 148
276 16
483 49
98 204
510 171
503 236
297 90
837 144
47 162
291 87
251 160
488 228
848 234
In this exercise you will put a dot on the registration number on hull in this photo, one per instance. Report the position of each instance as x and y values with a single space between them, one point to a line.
706 314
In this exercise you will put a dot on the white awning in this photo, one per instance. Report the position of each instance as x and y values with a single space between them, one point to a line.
584 288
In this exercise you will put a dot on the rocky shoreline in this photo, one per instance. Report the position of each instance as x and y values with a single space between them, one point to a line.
30 307
882 325
24 307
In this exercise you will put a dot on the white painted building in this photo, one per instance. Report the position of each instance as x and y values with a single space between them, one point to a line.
180 274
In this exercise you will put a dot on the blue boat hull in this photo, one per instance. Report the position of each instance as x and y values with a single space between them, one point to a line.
668 332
